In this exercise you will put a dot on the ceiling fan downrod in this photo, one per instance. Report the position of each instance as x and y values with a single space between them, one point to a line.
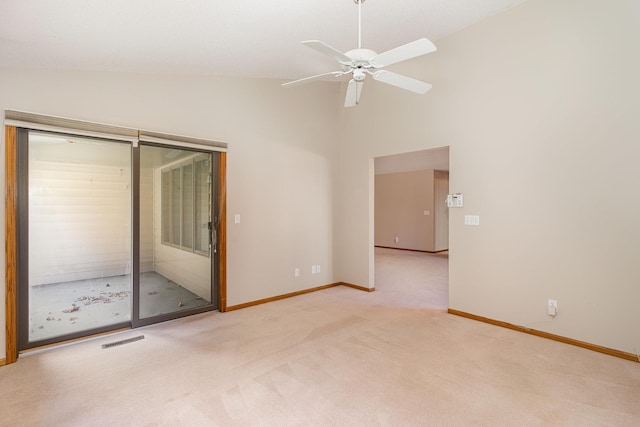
359 3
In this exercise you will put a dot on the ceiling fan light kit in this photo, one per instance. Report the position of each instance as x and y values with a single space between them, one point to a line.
360 62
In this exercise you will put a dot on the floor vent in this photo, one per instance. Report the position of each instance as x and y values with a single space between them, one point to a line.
127 341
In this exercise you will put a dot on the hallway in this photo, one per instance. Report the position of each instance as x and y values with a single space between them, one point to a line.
413 279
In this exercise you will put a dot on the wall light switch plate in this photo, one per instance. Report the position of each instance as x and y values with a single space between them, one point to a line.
471 220
237 219
313 269
296 272
552 307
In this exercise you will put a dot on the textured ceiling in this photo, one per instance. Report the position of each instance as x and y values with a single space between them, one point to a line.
249 38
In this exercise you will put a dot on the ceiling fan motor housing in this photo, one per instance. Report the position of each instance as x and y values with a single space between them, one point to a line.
361 56
360 61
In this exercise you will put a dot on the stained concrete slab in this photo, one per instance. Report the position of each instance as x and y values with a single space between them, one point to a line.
70 307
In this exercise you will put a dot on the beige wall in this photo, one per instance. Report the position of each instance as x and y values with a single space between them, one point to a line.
400 201
282 146
540 107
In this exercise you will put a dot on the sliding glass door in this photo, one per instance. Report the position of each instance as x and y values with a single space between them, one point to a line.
78 237
112 235
176 257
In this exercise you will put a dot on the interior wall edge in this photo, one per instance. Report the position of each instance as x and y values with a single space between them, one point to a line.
593 347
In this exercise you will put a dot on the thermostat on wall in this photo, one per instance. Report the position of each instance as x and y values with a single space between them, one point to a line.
454 200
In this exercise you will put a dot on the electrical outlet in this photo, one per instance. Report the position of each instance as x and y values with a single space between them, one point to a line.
313 269
552 307
318 268
296 272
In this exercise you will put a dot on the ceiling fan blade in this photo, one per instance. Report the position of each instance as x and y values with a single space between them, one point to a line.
403 82
312 78
354 89
327 50
404 52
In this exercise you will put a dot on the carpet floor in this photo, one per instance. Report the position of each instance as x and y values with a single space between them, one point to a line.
337 357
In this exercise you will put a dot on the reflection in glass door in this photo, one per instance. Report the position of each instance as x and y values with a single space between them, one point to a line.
176 194
79 237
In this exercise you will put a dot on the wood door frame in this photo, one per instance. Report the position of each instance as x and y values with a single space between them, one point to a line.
11 246
222 233
11 242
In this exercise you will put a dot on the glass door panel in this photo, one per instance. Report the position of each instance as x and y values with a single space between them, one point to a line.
203 197
175 209
188 203
79 237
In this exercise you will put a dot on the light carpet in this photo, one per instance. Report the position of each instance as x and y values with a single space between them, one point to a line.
337 357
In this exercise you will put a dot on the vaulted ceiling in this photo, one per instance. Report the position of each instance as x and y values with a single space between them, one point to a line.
248 38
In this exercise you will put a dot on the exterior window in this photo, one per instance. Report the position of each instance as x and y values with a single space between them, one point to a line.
186 196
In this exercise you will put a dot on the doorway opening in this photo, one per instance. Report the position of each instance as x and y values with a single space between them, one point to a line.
411 227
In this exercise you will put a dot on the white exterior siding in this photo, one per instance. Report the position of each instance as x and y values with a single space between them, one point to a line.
80 222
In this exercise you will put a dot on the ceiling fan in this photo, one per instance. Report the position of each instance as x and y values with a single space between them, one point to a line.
360 62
